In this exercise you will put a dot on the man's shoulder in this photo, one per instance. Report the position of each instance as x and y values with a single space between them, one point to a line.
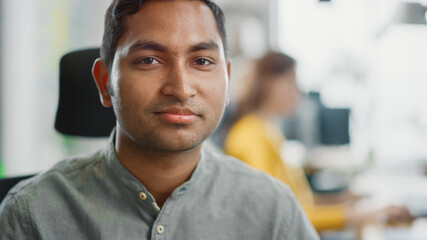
64 172
239 187
53 194
243 175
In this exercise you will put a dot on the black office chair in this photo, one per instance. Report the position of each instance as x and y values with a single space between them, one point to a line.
80 112
7 183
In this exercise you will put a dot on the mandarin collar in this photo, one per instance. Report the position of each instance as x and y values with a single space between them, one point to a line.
133 183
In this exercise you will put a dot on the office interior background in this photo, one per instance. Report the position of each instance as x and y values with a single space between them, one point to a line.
366 56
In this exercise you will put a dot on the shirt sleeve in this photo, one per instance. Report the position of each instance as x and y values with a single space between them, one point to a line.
13 222
298 227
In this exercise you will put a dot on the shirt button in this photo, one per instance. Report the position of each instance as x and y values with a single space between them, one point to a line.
143 196
160 229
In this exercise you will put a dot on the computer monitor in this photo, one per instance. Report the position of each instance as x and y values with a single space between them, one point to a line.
334 126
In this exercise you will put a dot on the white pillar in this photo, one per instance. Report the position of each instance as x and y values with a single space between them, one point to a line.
18 96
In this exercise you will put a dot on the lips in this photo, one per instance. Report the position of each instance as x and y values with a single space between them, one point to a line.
178 115
178 111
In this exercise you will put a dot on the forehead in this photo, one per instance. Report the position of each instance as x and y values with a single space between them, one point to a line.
172 23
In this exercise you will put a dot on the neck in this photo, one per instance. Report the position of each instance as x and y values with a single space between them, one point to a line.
159 172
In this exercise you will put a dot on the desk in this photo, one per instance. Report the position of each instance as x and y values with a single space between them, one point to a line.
384 188
416 231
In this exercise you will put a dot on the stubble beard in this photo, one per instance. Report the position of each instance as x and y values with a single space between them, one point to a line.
149 138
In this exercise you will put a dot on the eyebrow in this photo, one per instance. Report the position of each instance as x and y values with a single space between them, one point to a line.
147 45
151 45
210 45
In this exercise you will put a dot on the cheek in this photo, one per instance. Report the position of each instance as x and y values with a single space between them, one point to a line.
214 87
213 99
134 92
220 93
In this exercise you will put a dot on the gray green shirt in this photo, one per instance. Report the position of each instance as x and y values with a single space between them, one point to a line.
95 197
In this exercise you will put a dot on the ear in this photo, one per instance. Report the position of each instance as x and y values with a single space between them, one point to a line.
100 75
228 75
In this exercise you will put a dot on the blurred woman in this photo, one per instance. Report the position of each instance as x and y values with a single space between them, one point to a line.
271 94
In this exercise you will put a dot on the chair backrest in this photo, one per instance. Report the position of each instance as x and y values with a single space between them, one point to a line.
7 183
80 112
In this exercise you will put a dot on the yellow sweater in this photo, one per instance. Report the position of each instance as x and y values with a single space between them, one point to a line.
257 142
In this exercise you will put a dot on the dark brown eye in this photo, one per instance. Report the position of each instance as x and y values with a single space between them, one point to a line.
203 61
147 60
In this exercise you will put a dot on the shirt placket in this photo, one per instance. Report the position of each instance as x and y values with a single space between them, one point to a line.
160 227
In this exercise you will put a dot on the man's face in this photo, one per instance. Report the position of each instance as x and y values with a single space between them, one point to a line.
169 77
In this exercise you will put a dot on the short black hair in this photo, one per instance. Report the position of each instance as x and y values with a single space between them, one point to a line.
113 25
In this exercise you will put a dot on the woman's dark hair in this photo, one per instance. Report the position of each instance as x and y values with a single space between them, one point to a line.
114 29
266 68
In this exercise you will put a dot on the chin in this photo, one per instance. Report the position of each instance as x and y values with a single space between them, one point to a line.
175 145
177 149
178 141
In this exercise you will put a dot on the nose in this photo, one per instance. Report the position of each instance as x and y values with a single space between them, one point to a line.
179 83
